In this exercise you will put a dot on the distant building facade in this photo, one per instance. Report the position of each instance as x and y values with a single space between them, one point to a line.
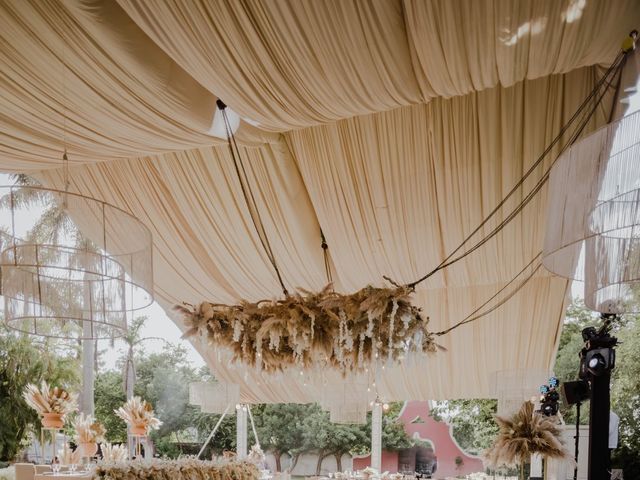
437 444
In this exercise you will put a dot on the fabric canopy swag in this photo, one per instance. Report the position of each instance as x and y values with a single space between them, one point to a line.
393 127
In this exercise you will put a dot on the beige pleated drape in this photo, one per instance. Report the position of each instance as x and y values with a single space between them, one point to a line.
88 61
393 193
291 64
394 127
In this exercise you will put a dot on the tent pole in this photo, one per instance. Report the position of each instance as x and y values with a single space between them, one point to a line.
376 436
241 432
253 425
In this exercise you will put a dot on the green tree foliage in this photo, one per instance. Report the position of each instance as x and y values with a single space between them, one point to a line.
280 429
163 379
472 419
625 396
109 395
21 362
326 438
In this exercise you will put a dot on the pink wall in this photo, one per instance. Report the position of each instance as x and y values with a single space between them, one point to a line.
438 433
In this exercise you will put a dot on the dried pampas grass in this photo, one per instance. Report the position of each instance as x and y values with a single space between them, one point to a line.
328 329
184 469
525 433
50 400
114 453
88 430
138 412
68 456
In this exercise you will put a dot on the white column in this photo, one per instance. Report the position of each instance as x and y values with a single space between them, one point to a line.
241 432
376 436
536 466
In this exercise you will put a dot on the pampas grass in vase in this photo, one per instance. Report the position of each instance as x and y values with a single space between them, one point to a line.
88 434
523 434
139 416
52 404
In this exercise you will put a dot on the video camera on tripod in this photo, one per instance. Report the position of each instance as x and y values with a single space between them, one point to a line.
550 397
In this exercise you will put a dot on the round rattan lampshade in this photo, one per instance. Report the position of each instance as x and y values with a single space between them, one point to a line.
593 224
72 266
214 397
347 401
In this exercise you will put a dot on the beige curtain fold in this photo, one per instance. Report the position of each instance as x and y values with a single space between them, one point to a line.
407 186
288 64
205 244
393 193
123 96
461 46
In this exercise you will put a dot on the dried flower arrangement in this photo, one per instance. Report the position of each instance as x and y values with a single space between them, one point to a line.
88 430
329 329
256 456
184 469
139 416
524 434
68 456
114 453
51 403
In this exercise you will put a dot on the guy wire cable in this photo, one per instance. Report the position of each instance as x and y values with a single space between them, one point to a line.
614 68
537 187
472 316
248 195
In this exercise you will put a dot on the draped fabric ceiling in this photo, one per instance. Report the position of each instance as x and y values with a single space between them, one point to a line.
393 126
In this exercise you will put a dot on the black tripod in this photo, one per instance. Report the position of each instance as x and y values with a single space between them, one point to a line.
597 360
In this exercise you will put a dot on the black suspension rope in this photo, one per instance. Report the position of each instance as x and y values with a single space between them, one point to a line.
537 187
247 193
475 315
449 260
325 254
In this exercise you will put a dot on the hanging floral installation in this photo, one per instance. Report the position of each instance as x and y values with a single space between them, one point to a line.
139 415
184 469
52 404
327 329
525 433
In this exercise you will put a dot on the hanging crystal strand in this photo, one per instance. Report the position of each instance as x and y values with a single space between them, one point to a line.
259 353
369 331
392 318
406 318
237 330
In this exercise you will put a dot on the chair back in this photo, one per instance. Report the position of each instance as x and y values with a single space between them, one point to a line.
42 469
24 471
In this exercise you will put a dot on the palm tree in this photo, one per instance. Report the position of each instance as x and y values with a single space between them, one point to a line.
54 226
133 339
